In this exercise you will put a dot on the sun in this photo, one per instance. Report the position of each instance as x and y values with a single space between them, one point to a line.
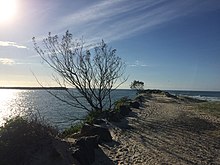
7 10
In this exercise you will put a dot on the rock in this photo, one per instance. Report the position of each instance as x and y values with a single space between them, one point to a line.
75 135
114 116
99 121
124 110
91 130
170 95
91 141
55 152
135 104
140 98
84 149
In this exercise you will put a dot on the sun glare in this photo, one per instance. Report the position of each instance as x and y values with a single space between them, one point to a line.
7 10
6 97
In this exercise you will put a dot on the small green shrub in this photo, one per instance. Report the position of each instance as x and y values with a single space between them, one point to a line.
91 116
71 130
120 102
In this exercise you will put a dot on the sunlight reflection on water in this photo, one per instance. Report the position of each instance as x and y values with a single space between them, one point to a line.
9 104
28 102
55 112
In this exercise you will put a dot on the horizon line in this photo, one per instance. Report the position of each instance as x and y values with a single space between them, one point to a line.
65 88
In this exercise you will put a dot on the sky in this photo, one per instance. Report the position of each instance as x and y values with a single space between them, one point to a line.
167 44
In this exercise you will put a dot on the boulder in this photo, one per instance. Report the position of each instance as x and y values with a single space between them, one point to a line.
102 132
83 150
114 116
124 110
170 95
140 98
99 121
135 104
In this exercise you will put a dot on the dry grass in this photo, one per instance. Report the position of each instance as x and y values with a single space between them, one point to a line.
211 108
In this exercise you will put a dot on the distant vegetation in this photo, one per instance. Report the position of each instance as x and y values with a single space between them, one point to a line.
138 85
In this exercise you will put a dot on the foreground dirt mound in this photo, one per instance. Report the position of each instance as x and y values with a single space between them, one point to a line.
23 142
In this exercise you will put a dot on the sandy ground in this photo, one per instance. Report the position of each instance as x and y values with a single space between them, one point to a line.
163 131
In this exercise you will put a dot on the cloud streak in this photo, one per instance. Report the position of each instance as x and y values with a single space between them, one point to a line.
12 44
138 64
7 61
119 19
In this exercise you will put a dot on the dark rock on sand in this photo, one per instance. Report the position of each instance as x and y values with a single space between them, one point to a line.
140 98
135 104
99 121
102 132
124 110
83 149
114 116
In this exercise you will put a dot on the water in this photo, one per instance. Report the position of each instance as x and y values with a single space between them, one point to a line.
21 102
202 95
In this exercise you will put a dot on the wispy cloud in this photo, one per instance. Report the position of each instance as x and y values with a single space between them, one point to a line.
10 61
137 64
7 61
119 19
13 44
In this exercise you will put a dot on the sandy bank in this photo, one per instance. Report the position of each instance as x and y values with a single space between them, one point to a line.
164 130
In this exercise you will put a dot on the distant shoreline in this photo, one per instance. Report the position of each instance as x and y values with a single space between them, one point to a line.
36 88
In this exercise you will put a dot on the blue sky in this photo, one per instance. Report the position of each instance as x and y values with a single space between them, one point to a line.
168 44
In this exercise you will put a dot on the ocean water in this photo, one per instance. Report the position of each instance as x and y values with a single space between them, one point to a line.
202 95
22 102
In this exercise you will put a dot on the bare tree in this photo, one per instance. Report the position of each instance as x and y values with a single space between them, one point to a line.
94 70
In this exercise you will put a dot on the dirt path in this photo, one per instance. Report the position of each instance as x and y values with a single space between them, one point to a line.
164 131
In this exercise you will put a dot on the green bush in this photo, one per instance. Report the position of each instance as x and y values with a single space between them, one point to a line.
91 116
71 130
120 102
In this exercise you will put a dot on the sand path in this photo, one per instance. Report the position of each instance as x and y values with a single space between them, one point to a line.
163 131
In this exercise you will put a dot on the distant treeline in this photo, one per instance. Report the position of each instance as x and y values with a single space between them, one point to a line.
36 88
